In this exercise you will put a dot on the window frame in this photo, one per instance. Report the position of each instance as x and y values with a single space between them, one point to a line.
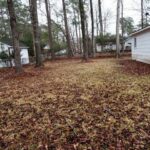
135 42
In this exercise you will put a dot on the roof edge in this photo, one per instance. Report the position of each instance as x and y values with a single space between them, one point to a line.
139 31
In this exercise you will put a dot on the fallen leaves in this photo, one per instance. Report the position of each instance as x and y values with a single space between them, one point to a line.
135 67
75 106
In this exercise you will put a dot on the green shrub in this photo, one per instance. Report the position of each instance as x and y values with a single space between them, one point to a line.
4 55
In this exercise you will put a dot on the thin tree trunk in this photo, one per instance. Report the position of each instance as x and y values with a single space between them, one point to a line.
15 36
70 53
80 36
100 19
10 58
105 24
48 12
122 16
76 29
142 13
117 29
33 45
97 25
87 38
83 19
92 26
73 43
36 34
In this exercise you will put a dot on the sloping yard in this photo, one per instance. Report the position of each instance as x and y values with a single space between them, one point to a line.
70 105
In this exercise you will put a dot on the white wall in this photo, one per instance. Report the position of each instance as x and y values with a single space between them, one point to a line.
98 47
4 47
24 55
47 47
106 47
128 43
3 64
142 50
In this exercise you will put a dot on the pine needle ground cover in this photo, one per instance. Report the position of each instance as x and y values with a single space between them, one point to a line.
70 105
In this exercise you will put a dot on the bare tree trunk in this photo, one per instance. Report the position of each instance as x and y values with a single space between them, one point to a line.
122 16
15 36
33 45
36 34
97 25
70 53
92 26
87 38
83 19
76 29
80 36
105 24
48 12
10 58
142 13
73 42
100 19
117 29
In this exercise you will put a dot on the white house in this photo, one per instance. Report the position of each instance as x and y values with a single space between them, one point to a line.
6 46
128 43
108 47
140 43
46 47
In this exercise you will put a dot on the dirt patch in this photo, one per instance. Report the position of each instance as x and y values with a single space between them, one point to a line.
134 67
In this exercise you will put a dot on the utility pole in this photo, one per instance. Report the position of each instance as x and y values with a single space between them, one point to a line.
142 13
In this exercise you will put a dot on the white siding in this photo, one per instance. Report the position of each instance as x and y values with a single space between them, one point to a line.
3 64
106 47
98 47
24 55
4 47
128 43
47 47
141 52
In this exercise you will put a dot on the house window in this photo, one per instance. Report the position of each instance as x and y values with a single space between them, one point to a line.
135 42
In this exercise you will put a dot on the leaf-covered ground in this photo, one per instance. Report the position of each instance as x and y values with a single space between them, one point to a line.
70 105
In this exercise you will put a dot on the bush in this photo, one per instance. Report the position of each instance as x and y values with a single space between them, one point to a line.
105 39
4 55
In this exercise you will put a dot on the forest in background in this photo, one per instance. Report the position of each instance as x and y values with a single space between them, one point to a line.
76 27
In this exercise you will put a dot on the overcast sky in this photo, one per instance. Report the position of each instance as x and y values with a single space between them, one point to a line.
131 9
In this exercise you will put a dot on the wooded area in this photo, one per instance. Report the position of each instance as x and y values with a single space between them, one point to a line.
67 83
75 33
